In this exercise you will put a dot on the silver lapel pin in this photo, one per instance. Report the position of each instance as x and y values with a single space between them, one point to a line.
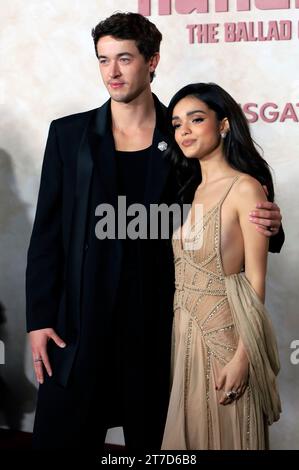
162 146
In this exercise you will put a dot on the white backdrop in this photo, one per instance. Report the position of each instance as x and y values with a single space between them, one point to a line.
48 69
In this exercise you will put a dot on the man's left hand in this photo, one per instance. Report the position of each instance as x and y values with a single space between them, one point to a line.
267 218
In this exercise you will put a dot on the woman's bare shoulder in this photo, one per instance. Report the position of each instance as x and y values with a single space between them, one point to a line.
249 187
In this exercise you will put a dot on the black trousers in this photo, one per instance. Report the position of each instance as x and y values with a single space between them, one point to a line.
122 391
120 378
74 418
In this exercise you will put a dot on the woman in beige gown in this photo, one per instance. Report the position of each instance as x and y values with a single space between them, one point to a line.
225 359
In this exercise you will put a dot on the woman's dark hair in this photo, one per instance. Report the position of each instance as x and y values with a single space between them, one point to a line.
130 26
239 148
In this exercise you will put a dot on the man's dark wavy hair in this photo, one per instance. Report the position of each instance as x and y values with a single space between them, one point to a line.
130 26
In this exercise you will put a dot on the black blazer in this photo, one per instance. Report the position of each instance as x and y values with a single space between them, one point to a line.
59 240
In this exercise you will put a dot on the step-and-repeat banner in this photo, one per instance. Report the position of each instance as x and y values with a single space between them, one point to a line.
48 69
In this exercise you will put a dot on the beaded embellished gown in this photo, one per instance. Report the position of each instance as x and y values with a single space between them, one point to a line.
211 311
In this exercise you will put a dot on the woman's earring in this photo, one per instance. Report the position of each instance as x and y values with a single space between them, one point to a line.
223 135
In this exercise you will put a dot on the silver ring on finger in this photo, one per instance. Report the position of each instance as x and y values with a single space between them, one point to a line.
231 394
38 359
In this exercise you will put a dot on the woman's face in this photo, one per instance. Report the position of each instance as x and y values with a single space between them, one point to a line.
196 128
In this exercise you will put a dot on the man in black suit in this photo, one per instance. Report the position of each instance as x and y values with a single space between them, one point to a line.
99 312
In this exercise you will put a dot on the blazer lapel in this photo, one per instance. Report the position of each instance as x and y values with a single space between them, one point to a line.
102 149
76 250
159 167
96 146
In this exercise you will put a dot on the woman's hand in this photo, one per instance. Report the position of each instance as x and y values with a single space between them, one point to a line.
233 378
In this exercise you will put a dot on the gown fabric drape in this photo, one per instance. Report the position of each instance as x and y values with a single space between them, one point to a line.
211 312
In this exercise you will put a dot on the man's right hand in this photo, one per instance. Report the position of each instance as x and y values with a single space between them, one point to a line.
38 341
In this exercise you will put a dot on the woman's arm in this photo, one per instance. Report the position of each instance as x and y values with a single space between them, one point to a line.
248 191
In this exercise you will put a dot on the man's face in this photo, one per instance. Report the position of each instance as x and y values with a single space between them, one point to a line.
124 70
